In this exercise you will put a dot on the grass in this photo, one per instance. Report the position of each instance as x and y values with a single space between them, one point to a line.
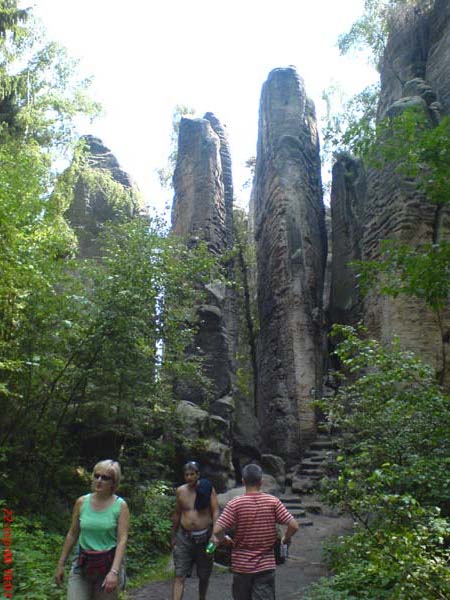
157 571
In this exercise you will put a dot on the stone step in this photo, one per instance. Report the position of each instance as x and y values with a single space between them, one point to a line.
323 445
297 513
314 507
306 523
291 501
316 454
304 485
307 465
311 473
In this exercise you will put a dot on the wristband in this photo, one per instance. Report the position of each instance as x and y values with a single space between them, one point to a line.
114 571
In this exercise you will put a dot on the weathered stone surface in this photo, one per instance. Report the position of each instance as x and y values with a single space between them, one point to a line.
437 71
216 464
91 208
275 466
223 407
291 253
348 195
227 176
302 485
419 47
202 209
415 73
199 211
194 420
198 207
247 440
219 428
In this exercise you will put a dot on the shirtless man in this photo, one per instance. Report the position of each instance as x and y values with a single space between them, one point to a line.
196 511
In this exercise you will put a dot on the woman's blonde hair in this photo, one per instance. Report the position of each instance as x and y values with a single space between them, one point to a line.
113 469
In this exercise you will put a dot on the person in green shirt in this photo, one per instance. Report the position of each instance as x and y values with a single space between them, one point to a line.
100 522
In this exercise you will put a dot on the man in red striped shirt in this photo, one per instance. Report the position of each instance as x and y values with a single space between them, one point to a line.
254 517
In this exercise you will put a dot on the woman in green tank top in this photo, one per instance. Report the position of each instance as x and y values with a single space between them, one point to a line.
100 522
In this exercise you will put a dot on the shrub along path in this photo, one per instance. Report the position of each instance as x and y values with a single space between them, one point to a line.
304 566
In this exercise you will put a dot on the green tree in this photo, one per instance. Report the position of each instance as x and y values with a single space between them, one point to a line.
372 29
11 17
165 173
40 89
390 474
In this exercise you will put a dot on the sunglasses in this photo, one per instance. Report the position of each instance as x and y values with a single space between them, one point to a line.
102 477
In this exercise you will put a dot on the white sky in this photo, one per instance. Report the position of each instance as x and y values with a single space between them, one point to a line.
146 56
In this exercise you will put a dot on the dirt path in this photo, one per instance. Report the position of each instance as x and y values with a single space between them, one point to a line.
303 567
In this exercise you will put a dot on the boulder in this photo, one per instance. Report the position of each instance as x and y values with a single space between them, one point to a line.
223 407
194 420
274 466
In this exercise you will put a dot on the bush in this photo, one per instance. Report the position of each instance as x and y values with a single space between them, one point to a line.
151 527
34 553
391 475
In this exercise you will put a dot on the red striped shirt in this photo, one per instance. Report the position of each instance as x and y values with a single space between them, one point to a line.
253 517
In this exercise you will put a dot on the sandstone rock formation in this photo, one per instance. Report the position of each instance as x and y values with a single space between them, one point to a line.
415 73
199 212
91 207
418 47
198 208
291 253
348 194
388 205
202 209
287 216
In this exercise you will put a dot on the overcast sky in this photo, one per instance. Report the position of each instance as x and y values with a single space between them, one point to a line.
148 56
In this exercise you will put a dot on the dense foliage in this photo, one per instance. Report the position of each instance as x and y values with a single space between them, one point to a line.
89 347
391 475
392 470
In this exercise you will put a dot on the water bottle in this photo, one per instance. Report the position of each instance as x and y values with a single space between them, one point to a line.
210 548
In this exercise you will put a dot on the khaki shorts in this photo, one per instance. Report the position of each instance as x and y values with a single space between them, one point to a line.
187 552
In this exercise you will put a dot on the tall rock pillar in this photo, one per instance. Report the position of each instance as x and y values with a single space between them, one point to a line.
348 196
202 209
199 212
291 253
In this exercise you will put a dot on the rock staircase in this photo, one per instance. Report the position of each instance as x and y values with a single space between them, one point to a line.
305 476
294 504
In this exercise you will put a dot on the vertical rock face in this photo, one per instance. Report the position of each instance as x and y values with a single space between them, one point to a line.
246 434
348 194
199 211
91 207
198 208
395 207
227 177
202 209
291 253
437 71
419 47
229 306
